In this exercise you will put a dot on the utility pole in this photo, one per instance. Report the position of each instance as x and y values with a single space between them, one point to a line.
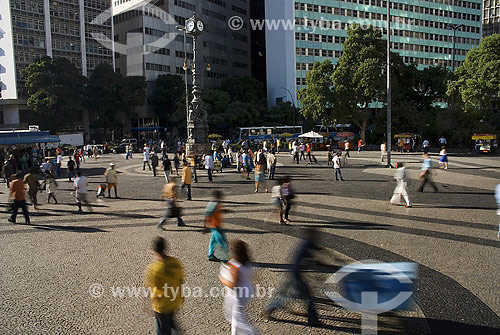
389 97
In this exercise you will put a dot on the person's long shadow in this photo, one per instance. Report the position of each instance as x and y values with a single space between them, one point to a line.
76 229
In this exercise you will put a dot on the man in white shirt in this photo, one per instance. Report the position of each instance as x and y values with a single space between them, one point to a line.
295 151
59 164
442 140
425 147
302 148
401 186
271 164
146 158
111 179
336 167
81 191
208 162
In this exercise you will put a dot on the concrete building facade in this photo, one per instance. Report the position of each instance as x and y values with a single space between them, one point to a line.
420 33
30 29
491 17
154 46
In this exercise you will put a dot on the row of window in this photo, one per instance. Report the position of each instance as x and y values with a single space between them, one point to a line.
181 54
27 5
324 24
394 32
157 67
218 2
239 10
34 41
28 22
184 4
317 52
213 14
239 37
394 5
26 57
240 65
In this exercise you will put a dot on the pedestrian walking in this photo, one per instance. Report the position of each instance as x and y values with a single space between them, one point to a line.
425 147
360 145
287 195
167 167
154 162
310 155
277 200
214 222
236 277
401 189
24 163
426 174
177 163
8 171
239 161
347 146
208 162
383 151
442 141
187 178
497 198
128 151
302 149
17 199
296 285
111 179
336 166
59 161
247 163
51 186
260 170
170 194
31 179
71 168
145 160
164 278
295 152
77 155
271 164
81 191
444 158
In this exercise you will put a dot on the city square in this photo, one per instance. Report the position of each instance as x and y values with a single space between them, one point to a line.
249 167
50 265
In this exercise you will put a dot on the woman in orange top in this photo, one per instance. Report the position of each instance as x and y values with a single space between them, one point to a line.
213 221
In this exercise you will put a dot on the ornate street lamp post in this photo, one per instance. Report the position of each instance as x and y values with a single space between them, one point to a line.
197 123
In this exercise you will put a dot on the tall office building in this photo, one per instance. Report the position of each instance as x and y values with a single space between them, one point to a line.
152 46
491 17
30 29
420 33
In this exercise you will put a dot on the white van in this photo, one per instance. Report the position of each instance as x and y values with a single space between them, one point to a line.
129 141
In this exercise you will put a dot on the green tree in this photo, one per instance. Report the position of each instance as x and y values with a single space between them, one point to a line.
317 97
111 98
477 82
358 78
168 91
281 114
55 88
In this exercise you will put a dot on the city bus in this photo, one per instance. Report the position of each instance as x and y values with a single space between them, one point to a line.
267 133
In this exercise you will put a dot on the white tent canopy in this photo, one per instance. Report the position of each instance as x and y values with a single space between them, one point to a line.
311 134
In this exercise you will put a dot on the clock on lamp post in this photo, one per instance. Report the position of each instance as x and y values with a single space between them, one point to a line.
197 121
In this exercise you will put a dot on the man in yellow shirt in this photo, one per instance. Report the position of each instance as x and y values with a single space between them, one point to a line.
187 178
170 194
164 278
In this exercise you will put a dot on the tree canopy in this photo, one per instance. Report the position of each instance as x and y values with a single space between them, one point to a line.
55 88
358 78
167 93
111 98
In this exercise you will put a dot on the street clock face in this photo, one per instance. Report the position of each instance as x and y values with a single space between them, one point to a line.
200 25
190 25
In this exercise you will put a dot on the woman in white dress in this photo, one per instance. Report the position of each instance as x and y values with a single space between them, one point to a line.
236 276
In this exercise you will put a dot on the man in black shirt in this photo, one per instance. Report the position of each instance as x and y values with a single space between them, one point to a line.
71 168
167 167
